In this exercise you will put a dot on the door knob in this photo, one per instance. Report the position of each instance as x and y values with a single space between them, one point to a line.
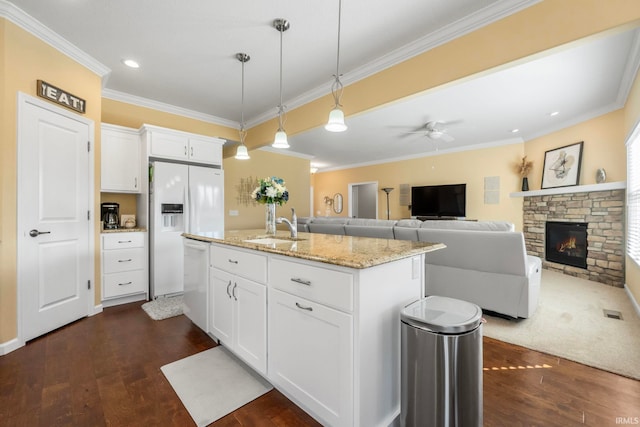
36 233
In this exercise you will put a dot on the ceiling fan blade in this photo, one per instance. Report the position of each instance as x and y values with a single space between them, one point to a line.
447 138
447 123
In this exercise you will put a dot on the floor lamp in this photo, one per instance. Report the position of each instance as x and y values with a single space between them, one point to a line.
387 190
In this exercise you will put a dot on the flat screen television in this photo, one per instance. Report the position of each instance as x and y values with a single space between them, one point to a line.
439 200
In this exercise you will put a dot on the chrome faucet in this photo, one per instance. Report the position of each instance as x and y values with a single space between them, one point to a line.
293 224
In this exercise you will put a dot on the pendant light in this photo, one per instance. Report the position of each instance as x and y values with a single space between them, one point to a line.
336 116
280 140
241 152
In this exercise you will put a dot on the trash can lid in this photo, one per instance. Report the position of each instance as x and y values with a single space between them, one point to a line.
443 315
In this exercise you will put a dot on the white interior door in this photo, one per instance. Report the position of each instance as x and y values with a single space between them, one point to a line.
55 262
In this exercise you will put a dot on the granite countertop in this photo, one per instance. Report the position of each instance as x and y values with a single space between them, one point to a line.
346 251
125 230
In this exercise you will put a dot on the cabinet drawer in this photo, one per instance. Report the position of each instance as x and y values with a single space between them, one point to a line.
123 260
122 240
333 288
244 264
119 284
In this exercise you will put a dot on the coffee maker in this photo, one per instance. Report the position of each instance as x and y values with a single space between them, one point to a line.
110 214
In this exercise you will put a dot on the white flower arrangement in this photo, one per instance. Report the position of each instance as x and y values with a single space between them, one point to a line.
271 190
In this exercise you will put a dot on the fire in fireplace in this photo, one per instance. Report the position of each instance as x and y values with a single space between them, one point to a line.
566 243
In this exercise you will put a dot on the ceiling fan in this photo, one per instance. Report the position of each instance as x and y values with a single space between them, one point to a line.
433 131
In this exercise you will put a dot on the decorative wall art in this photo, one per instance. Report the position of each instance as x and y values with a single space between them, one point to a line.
245 188
562 166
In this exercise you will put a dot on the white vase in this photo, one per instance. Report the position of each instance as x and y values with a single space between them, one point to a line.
270 218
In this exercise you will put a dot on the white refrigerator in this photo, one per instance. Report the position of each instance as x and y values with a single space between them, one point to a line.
182 198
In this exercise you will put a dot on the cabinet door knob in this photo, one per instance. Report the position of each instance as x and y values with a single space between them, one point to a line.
233 261
124 260
228 286
135 182
124 284
233 291
302 307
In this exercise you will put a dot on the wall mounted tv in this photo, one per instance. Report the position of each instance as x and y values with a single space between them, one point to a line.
439 200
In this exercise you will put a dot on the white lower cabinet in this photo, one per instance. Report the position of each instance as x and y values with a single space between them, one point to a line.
326 336
124 267
311 355
239 312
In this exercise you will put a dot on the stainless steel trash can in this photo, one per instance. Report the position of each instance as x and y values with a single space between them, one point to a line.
441 363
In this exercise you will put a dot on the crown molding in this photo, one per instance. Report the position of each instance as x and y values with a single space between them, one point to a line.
28 23
468 24
167 108
630 71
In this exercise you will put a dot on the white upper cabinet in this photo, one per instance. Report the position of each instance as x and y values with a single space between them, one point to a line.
120 159
204 150
163 143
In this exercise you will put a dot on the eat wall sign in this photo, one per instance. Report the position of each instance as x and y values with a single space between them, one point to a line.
59 96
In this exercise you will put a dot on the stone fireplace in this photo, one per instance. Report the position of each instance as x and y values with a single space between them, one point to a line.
601 212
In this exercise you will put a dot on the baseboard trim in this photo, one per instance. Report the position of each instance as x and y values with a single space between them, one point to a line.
9 346
634 302
96 310
123 300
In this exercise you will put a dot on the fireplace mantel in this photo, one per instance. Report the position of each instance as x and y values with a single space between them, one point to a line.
605 186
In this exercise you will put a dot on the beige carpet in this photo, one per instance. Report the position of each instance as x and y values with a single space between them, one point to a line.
164 307
570 323
213 383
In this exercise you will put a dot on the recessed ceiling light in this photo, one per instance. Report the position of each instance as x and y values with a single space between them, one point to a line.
515 130
555 113
130 63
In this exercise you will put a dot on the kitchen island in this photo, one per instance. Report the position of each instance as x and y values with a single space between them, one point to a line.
318 316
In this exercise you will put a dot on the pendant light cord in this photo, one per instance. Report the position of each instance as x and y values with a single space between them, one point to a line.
242 108
280 107
336 87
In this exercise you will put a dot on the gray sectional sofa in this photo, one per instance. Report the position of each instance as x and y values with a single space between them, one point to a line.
485 262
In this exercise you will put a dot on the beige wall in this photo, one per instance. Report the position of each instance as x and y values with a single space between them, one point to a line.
603 147
631 119
134 116
294 171
470 167
25 59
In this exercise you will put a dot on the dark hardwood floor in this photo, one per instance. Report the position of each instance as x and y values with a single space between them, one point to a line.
105 371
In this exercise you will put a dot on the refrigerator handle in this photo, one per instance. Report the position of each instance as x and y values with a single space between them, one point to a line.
188 208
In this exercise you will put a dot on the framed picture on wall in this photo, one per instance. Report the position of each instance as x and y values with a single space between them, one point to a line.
562 166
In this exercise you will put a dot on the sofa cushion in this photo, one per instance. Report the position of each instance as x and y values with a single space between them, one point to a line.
328 225
491 251
330 220
369 222
303 223
369 231
407 229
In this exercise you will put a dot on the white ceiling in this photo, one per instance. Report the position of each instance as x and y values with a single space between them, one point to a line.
187 56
